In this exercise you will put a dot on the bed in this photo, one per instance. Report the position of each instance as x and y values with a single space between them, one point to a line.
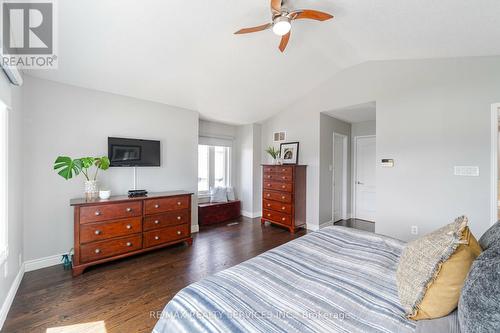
335 280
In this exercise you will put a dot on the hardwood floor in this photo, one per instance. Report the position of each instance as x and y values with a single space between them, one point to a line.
357 224
120 296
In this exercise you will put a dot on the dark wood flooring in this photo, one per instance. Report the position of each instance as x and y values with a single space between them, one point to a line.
120 296
357 224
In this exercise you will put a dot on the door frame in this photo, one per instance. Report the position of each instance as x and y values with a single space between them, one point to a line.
344 176
355 168
495 117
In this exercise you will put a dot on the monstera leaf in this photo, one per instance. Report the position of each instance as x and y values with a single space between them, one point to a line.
66 167
102 162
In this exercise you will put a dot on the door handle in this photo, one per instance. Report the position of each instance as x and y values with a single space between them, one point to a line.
360 183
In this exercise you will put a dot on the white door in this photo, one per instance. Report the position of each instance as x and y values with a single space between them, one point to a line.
338 177
365 182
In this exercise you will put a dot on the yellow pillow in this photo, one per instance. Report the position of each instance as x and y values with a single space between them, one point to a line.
443 291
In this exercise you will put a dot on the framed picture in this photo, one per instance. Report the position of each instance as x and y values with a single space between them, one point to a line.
289 152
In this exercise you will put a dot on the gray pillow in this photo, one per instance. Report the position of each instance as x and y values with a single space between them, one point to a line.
447 324
492 235
479 306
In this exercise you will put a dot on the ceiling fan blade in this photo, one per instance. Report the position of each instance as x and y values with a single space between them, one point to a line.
276 7
310 14
253 29
284 42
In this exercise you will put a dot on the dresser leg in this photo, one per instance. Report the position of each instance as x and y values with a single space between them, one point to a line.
76 271
189 241
262 221
292 230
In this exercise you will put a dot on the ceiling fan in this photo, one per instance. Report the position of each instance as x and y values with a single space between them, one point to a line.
282 18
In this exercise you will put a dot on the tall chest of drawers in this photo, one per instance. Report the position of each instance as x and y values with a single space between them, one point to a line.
106 230
284 195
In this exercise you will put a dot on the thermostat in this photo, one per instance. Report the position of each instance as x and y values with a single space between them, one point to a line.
387 162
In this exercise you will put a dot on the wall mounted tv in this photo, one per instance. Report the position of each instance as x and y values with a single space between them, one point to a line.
133 152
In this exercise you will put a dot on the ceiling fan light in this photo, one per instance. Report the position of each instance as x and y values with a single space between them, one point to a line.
281 25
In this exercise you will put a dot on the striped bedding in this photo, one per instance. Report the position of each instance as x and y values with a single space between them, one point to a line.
334 280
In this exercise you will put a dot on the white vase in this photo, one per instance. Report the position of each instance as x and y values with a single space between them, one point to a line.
91 189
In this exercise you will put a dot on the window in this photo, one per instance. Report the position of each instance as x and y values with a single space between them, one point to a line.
3 181
213 167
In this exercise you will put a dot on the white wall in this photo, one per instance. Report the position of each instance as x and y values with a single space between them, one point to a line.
431 115
12 96
67 120
248 165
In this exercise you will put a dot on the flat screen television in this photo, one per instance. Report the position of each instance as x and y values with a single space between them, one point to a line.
133 152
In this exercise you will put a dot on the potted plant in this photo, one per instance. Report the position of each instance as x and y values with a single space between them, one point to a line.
68 168
274 153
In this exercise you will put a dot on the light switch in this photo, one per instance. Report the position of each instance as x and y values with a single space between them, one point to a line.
466 171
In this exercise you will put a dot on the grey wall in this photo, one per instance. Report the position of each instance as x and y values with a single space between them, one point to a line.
328 126
12 96
66 120
364 128
431 115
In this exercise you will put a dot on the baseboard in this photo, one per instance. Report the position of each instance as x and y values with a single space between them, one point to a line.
326 224
312 227
10 296
195 228
251 215
34 264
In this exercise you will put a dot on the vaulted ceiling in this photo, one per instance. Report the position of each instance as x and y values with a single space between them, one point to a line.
184 53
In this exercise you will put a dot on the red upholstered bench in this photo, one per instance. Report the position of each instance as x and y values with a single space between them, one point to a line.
216 212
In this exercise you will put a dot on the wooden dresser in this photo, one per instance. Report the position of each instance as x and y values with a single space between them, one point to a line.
120 226
284 195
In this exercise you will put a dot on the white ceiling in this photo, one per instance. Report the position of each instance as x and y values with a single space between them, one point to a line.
356 113
183 53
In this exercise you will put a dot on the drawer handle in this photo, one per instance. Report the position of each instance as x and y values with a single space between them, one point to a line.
178 217
268 184
283 186
129 244
268 215
269 176
268 205
97 213
283 170
283 197
283 208
157 222
283 219
178 203
268 195
129 209
283 177
157 206
97 251
97 232
129 226
157 237
179 232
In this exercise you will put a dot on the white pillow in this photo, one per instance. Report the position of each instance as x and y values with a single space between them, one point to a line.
218 194
230 194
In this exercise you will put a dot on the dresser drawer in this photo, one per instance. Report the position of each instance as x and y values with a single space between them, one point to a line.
277 206
109 248
165 235
110 212
91 232
154 206
166 219
278 196
278 177
276 217
278 186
